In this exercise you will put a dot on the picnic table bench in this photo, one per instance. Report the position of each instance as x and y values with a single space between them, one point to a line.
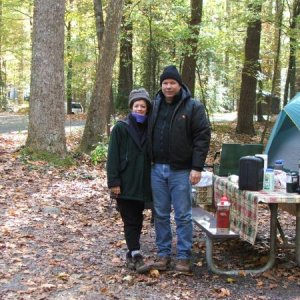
207 222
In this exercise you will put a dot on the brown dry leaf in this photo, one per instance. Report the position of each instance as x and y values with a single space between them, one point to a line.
269 275
12 212
273 286
116 260
63 276
259 283
242 273
47 287
120 244
222 293
291 278
5 231
154 273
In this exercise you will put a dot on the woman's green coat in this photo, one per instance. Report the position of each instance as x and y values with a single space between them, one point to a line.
128 162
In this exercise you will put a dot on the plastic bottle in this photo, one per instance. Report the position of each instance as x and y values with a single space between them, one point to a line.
223 215
269 180
278 164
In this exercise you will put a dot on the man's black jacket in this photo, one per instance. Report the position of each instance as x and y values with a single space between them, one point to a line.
189 132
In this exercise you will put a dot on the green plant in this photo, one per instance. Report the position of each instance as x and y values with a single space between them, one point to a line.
99 154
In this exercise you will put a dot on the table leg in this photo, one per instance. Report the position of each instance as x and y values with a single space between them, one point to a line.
273 233
273 249
298 234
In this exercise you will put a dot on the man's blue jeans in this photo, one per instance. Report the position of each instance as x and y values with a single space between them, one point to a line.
172 187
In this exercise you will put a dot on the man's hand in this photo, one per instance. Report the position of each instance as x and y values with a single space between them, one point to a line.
195 177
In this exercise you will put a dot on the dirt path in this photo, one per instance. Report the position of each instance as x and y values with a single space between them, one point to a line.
61 239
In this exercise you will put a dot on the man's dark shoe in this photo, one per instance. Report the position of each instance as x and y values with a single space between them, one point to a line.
129 261
161 263
139 264
183 265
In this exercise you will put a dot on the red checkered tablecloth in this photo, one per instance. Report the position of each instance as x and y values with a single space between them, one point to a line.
244 205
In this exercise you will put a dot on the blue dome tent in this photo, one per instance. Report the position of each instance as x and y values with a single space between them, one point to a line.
284 141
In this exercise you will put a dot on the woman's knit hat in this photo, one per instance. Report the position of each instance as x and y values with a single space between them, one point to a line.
170 72
139 94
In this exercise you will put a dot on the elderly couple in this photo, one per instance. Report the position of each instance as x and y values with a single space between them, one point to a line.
158 151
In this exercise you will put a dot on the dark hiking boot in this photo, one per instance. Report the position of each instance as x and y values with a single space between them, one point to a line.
183 265
129 261
139 264
161 263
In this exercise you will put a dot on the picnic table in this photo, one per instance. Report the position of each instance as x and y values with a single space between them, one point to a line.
244 213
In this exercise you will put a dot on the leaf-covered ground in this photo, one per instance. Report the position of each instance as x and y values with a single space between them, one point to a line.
60 238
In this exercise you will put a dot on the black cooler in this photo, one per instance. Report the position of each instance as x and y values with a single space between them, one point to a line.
251 173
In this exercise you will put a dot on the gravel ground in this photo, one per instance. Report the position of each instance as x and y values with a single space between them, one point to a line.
60 238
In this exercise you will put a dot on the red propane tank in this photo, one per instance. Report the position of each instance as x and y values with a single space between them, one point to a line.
223 215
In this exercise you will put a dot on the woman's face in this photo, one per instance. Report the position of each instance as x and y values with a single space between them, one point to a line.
139 107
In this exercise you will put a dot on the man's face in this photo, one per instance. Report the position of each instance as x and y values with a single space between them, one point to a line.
170 88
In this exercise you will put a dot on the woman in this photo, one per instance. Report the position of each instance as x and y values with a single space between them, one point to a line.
128 173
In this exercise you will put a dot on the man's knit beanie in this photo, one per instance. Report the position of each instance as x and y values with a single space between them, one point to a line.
139 94
170 72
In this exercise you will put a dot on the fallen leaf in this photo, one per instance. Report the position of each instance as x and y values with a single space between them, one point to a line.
230 280
154 273
63 276
47 287
128 278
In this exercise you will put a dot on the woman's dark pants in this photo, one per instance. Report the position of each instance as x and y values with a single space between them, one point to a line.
132 215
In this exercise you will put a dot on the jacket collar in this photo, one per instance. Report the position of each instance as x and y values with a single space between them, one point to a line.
131 127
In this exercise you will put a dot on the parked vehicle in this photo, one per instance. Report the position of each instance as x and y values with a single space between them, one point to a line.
76 108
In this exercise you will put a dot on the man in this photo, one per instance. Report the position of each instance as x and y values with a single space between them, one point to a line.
179 136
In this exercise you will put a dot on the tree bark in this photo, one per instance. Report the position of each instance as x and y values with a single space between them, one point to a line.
98 110
249 72
190 57
69 68
151 60
98 11
125 66
46 130
3 102
276 86
290 85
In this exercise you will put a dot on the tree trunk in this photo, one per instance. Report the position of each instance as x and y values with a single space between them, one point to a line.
46 130
69 69
293 48
98 110
276 89
190 57
151 60
249 72
125 66
98 11
290 89
2 81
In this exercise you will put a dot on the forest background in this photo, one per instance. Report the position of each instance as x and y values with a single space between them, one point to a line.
233 55
60 236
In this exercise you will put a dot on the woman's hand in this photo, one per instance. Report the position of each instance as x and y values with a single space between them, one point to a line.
115 190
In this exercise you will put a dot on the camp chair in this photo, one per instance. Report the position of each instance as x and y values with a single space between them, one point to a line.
230 156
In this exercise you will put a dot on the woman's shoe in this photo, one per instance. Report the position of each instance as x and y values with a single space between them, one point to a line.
139 264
